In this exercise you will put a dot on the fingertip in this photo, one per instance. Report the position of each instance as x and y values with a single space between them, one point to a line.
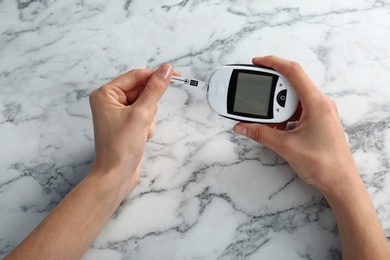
165 71
240 129
256 60
263 134
267 61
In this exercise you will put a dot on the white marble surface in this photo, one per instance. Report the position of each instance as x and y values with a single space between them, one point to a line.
204 193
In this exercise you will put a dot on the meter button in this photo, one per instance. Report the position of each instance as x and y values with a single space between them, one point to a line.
220 90
277 110
281 85
281 98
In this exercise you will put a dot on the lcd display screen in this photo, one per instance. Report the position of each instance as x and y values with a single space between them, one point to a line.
252 94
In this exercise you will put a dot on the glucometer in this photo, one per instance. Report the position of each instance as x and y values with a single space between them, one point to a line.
249 93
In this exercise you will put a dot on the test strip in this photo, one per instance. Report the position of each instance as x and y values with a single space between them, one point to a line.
187 81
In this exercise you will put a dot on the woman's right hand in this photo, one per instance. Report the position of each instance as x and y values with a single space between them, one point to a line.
316 148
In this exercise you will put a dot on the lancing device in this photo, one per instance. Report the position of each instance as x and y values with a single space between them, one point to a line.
248 93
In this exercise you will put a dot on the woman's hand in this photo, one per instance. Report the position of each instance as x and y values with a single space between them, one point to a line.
316 148
124 119
318 152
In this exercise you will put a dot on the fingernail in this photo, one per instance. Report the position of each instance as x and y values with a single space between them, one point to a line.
240 130
165 70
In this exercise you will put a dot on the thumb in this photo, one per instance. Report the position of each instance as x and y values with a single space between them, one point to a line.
267 136
156 86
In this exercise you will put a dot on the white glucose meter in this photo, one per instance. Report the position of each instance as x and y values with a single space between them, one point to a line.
249 93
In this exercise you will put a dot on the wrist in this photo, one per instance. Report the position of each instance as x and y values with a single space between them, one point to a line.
111 184
345 184
359 228
332 177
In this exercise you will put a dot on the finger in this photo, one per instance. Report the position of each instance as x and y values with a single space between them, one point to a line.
272 138
301 82
132 79
155 87
152 128
280 126
298 113
137 91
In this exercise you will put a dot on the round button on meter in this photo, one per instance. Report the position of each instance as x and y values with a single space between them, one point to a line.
281 98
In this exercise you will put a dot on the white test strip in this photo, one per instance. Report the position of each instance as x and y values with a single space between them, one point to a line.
187 81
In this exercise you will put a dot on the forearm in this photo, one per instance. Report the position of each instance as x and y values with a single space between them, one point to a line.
360 231
73 225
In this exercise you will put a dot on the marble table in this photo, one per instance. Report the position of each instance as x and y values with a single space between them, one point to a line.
204 192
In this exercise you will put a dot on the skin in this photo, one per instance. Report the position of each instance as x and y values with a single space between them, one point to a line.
123 115
318 152
124 119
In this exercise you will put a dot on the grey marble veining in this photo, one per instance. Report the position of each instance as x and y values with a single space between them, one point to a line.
204 192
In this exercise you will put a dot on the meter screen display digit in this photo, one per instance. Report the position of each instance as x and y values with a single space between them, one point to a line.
253 94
